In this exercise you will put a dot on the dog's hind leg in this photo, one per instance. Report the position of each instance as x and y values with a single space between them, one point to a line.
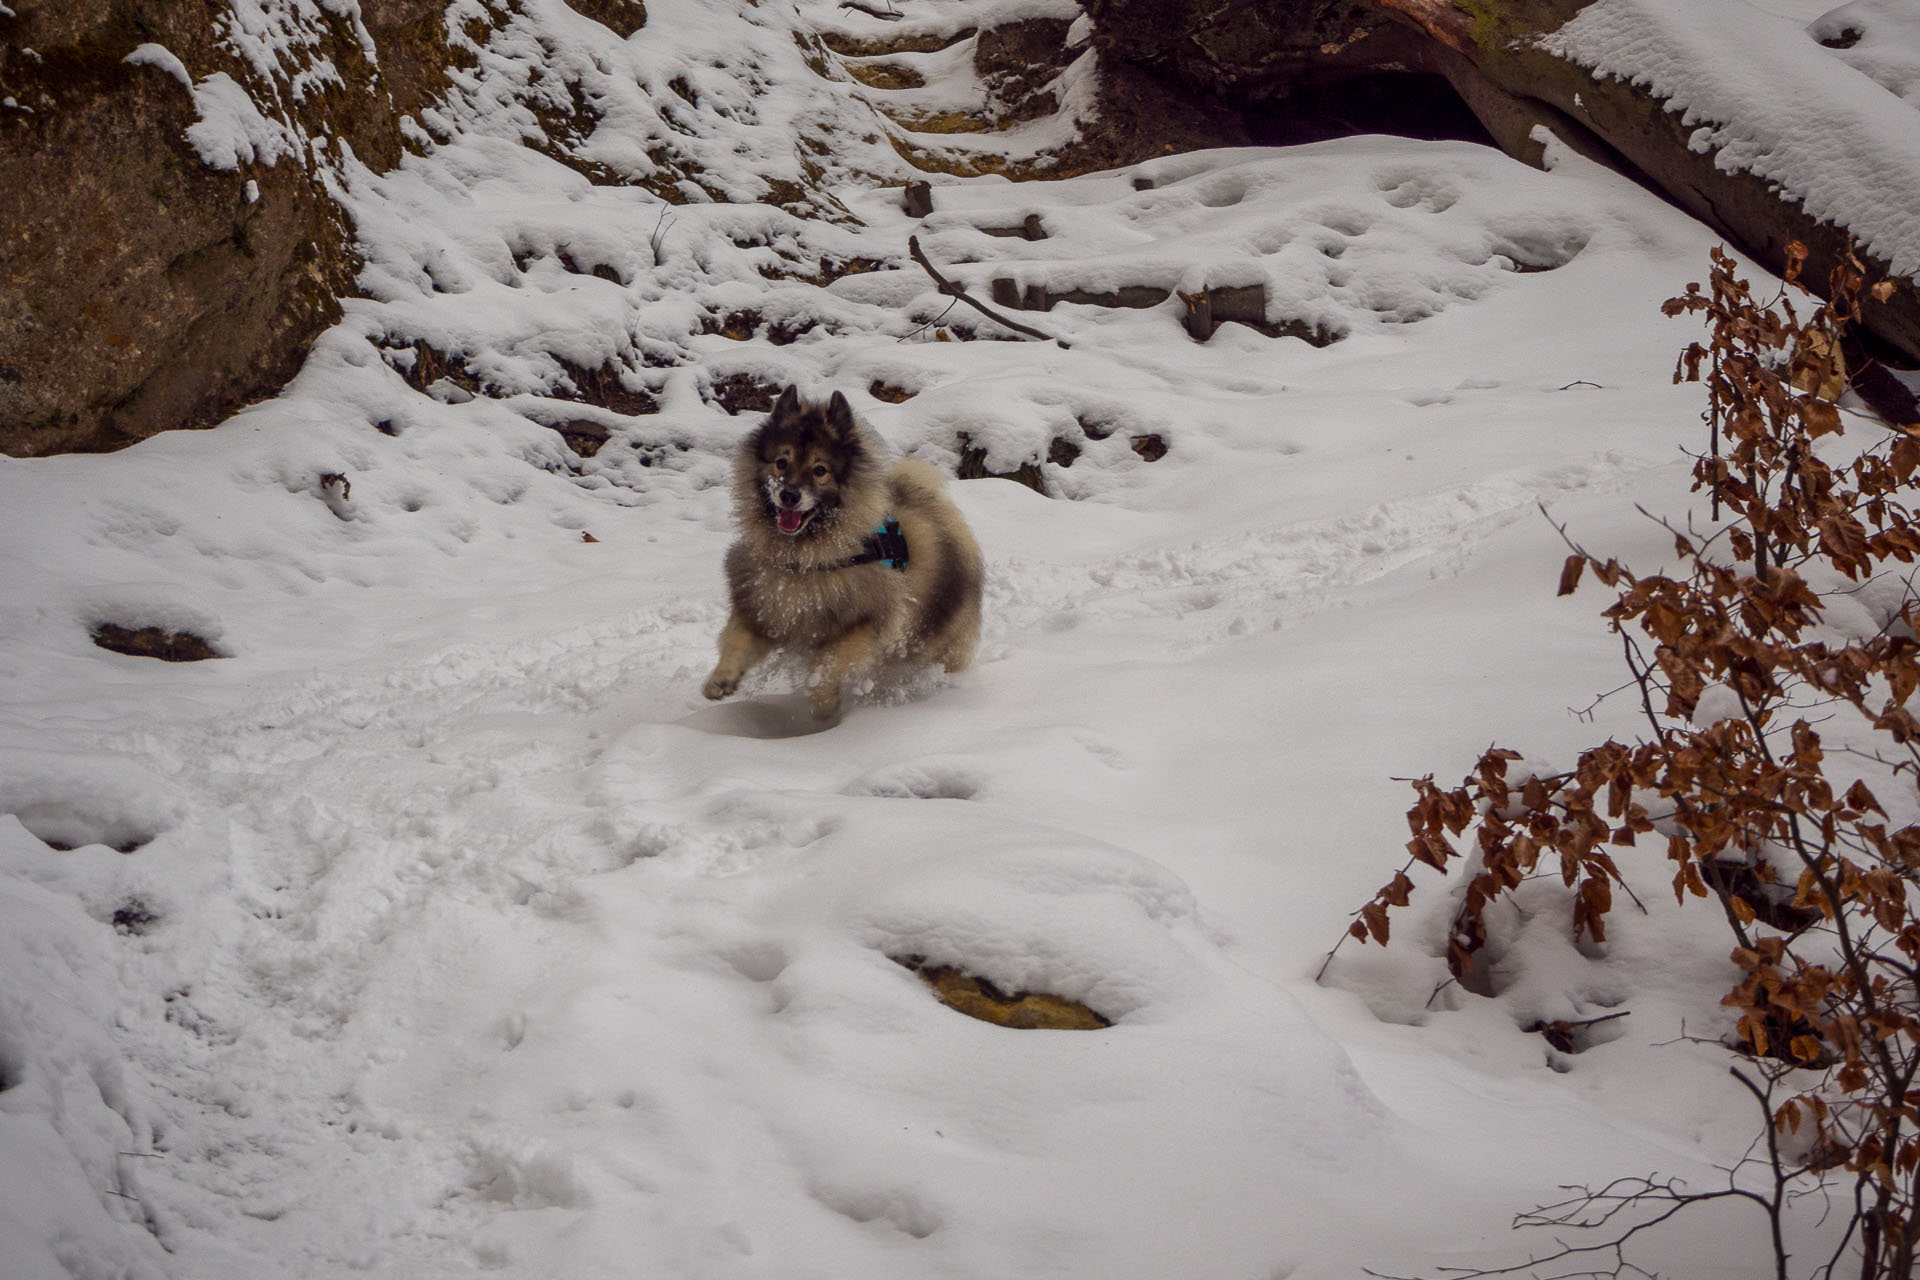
741 649
850 654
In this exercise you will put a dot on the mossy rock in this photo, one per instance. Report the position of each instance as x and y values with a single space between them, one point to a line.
1022 1010
940 122
885 75
855 47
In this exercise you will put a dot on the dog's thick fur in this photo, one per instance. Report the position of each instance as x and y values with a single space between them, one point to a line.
810 486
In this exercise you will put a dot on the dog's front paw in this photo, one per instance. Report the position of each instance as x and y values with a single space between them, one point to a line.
826 703
721 684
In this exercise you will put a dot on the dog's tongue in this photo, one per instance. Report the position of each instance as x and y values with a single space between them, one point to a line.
790 521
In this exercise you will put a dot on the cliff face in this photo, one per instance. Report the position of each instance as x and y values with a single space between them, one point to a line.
1626 83
167 238
1250 49
171 242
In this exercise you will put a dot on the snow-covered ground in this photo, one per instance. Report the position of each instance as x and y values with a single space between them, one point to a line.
441 927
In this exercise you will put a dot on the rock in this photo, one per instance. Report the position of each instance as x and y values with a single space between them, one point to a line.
154 642
1249 49
1022 1010
622 17
584 436
973 466
1015 62
741 393
156 281
1399 59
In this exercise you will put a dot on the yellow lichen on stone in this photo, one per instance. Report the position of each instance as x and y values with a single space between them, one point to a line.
940 122
1023 1010
855 47
880 74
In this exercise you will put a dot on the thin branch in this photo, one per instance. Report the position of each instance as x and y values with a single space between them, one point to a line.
661 226
1590 1211
929 324
953 290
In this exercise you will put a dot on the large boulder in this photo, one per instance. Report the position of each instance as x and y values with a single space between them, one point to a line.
1502 60
1250 49
169 246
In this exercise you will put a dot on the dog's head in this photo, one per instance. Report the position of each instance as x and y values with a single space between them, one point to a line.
804 461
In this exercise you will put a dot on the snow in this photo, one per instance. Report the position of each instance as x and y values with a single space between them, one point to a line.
231 130
1878 38
1773 103
158 55
457 933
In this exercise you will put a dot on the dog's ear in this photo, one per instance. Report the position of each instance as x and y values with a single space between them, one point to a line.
787 407
840 417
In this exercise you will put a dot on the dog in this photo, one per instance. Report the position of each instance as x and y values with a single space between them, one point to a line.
842 557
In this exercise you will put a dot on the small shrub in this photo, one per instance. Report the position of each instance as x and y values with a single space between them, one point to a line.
1769 741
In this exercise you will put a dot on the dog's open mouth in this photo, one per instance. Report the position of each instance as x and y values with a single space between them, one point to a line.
792 521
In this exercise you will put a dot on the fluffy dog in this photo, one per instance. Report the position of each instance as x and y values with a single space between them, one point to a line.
842 557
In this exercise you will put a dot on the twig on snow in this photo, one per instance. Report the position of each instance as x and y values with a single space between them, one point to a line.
953 290
661 226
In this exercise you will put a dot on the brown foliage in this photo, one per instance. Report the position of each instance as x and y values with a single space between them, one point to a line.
1734 668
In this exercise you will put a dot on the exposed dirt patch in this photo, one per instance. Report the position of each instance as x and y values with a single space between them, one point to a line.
608 388
880 46
154 642
1150 446
566 123
742 393
134 918
744 324
422 365
619 16
1016 61
583 435
973 466
825 271
598 270
653 453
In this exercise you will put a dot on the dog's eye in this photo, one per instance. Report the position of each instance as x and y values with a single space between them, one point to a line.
779 464
819 469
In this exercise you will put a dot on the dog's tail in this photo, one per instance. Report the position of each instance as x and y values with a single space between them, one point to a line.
913 483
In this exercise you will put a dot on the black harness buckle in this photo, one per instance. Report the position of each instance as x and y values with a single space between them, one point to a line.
887 545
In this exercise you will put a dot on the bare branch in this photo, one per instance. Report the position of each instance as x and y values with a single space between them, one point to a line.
953 290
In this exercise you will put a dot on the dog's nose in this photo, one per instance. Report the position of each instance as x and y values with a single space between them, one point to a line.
789 497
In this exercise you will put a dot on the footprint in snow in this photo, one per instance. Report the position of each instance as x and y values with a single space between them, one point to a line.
779 716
